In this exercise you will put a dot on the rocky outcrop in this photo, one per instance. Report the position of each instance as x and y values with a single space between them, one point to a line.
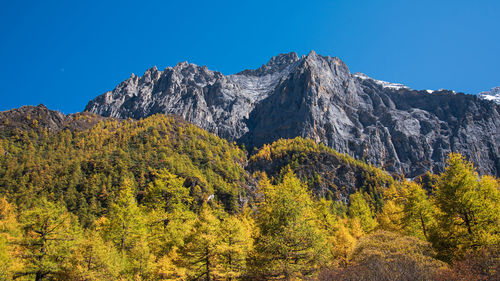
392 126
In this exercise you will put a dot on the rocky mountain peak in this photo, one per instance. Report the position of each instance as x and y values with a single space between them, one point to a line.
387 124
275 64
151 74
283 59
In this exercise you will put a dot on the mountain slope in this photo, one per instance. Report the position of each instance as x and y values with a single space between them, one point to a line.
329 174
85 159
316 97
40 118
86 168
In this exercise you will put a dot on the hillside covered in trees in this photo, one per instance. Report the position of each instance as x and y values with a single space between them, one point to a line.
84 197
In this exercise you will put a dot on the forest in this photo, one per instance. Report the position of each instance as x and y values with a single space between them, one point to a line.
161 199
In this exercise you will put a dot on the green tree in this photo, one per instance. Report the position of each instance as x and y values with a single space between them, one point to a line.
169 217
94 259
202 249
236 244
49 234
291 243
360 209
9 232
125 227
469 211
418 212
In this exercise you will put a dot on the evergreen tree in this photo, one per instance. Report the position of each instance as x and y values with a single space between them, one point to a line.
9 232
359 208
418 212
469 210
236 244
290 243
202 249
49 234
94 259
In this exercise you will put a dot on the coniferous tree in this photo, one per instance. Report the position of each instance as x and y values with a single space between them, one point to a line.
469 211
125 227
50 232
171 266
170 216
94 259
360 209
9 231
290 243
125 223
202 249
236 244
418 212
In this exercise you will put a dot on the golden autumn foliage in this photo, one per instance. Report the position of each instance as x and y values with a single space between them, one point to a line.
159 199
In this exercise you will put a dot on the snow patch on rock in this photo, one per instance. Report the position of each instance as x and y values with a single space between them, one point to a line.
491 95
385 84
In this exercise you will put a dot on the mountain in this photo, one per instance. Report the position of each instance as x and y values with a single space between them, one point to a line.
79 155
40 118
127 199
491 95
316 97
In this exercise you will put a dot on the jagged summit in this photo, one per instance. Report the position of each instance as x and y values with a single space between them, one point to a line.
275 64
283 59
390 125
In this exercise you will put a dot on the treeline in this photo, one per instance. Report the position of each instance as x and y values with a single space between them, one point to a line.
158 199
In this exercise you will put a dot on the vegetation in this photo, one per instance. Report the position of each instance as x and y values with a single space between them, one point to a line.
159 199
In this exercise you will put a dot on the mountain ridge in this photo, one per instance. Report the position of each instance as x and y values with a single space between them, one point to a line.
389 125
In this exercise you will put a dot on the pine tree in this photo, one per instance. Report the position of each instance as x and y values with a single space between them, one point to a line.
469 212
418 212
236 244
360 209
94 259
125 227
9 232
202 249
290 243
49 234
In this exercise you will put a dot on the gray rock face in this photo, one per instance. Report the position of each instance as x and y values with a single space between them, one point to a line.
387 124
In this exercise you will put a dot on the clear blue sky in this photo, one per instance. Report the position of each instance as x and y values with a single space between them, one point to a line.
64 53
